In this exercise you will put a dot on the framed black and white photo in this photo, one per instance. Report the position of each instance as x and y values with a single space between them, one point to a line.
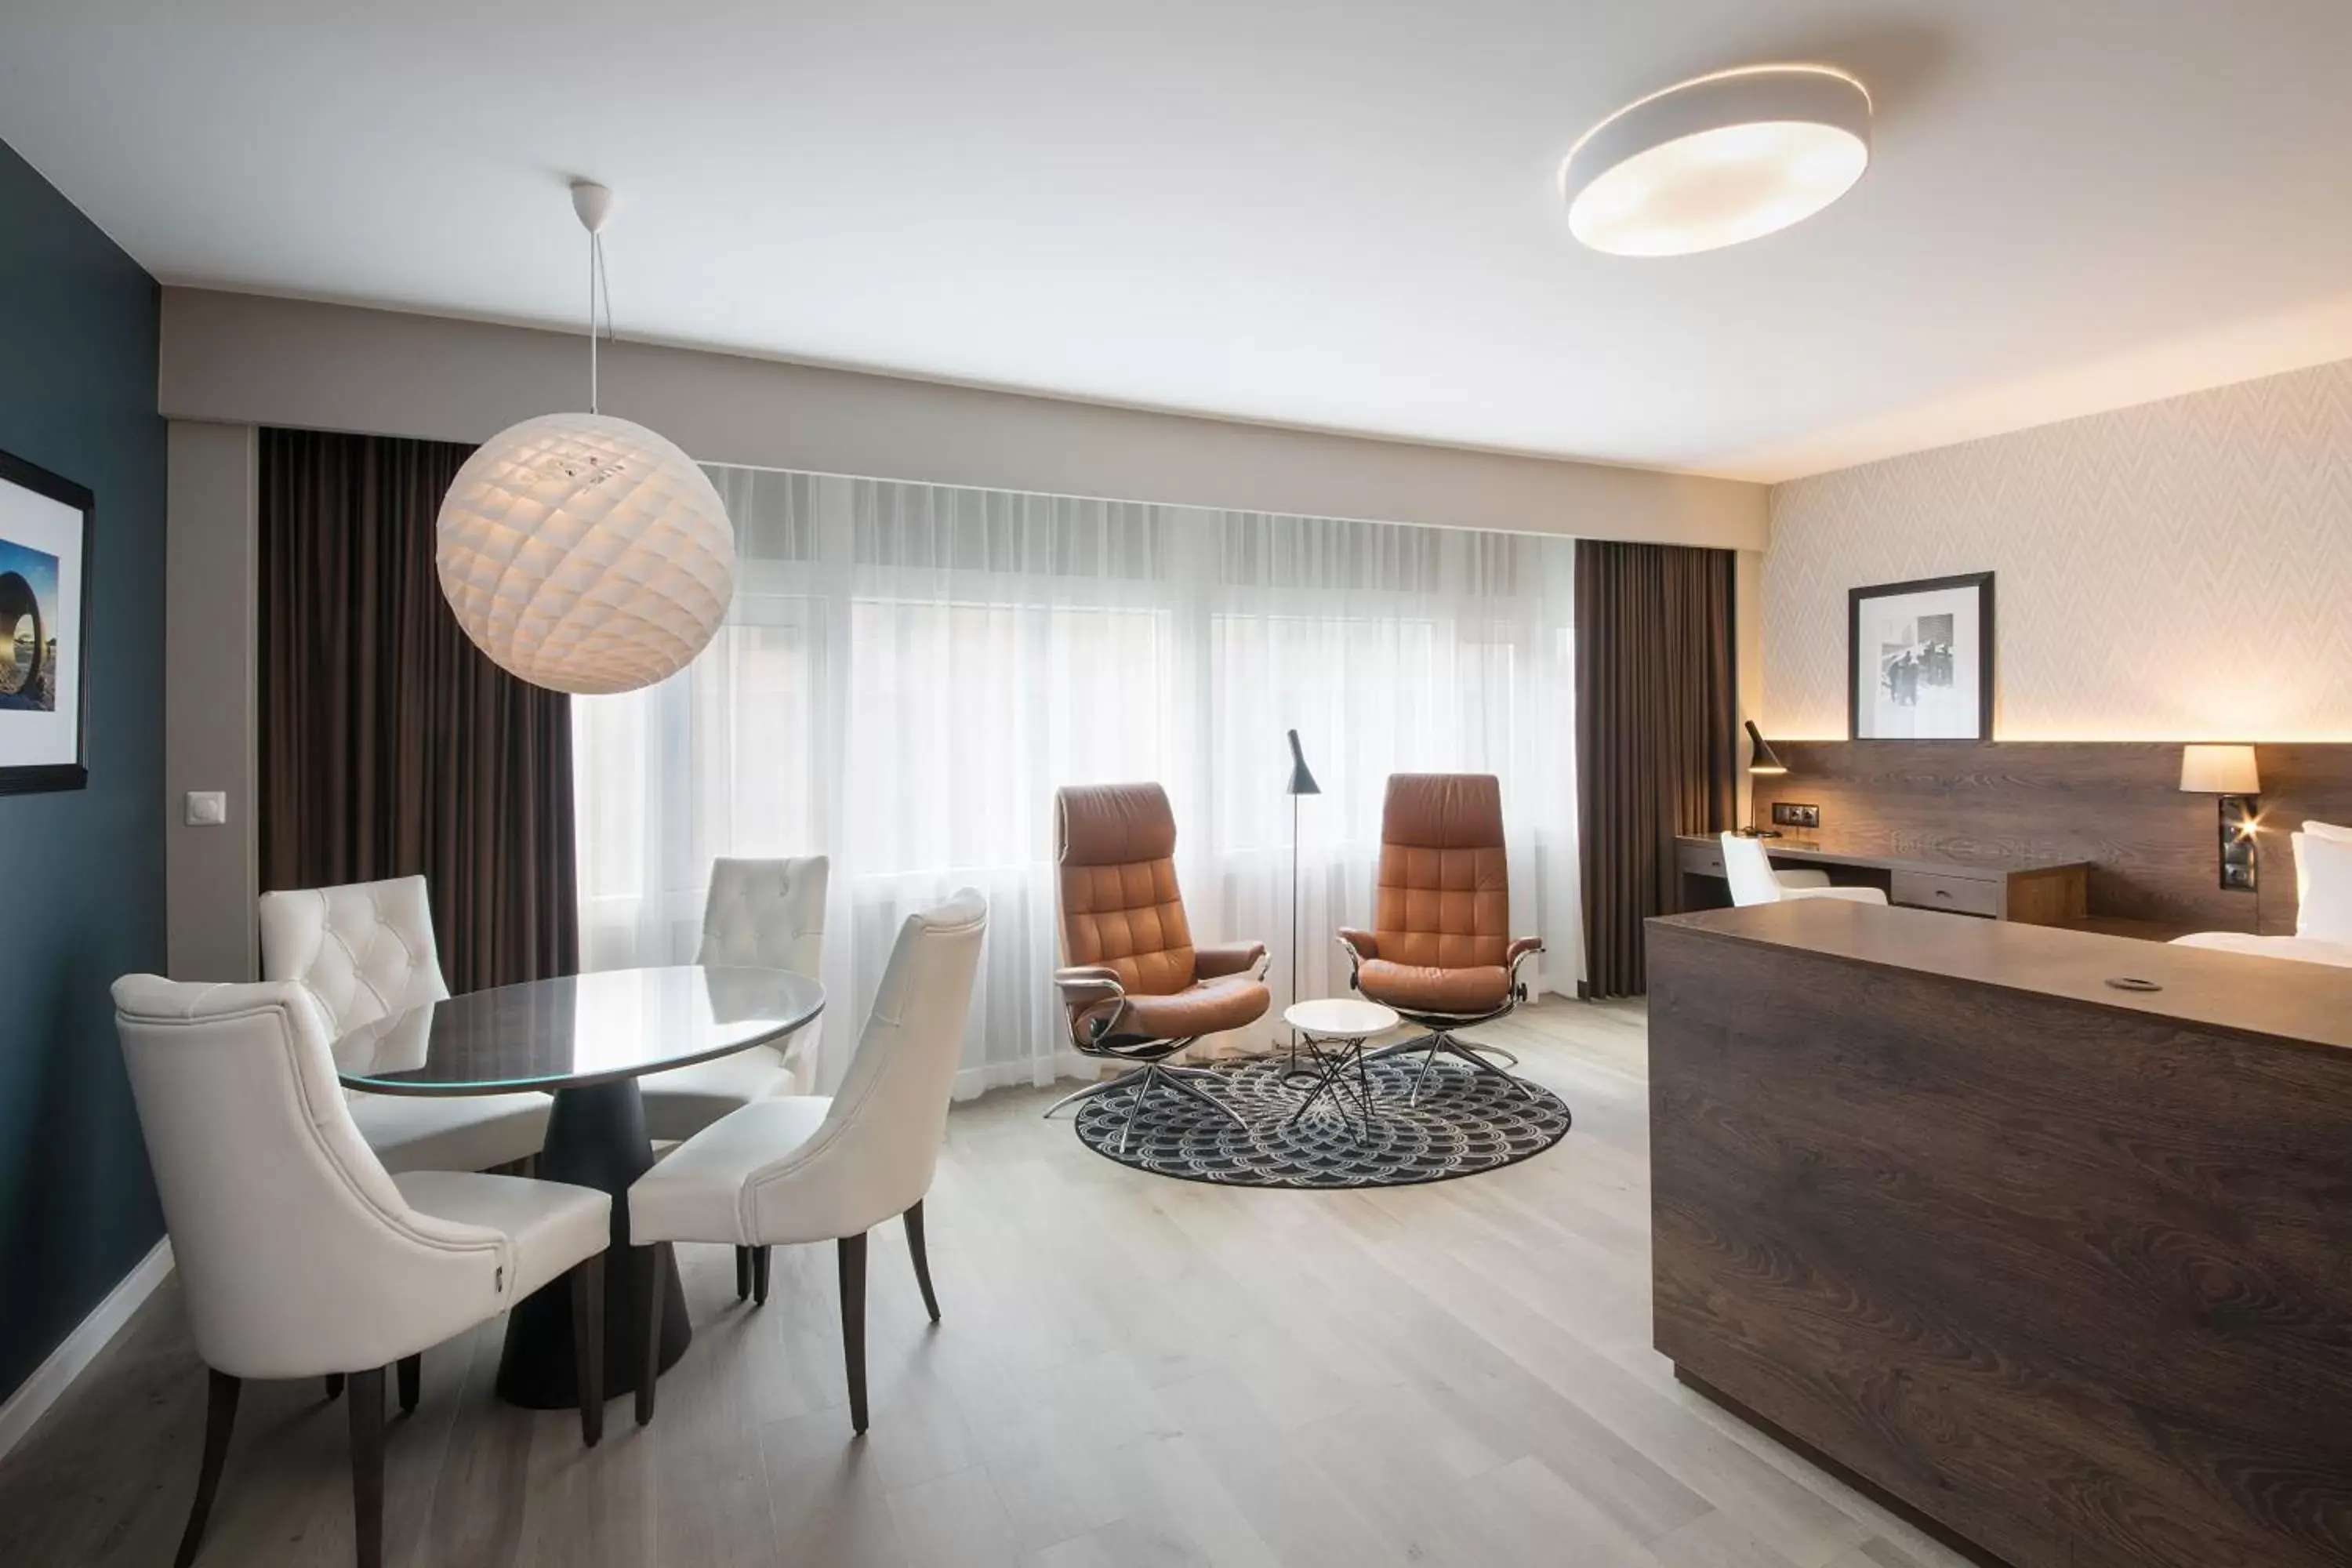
44 538
1919 659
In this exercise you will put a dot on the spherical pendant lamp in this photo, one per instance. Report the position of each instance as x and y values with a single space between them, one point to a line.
583 553
1717 161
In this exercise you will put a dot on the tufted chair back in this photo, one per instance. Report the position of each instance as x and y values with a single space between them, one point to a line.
361 952
1116 845
1445 895
765 914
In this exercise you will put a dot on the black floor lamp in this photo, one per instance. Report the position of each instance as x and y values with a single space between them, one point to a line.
1302 782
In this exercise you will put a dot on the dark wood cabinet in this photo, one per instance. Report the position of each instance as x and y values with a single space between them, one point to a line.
2065 1268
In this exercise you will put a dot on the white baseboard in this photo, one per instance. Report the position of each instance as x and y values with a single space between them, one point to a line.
50 1381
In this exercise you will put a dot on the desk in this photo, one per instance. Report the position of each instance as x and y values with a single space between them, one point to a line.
2032 892
2060 1266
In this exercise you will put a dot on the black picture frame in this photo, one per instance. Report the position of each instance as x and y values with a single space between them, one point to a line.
37 778
1857 597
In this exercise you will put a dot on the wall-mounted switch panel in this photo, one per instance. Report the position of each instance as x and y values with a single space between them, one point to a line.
1788 813
206 807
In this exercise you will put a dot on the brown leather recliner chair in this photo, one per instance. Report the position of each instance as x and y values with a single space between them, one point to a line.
1440 950
1137 988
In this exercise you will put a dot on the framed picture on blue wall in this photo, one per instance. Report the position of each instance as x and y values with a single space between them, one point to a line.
45 540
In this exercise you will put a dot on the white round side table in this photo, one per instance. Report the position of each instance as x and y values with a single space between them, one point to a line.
1335 1029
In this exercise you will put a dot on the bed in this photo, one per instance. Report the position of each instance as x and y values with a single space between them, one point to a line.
2323 926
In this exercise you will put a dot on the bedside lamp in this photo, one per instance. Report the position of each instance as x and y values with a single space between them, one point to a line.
1762 761
2227 771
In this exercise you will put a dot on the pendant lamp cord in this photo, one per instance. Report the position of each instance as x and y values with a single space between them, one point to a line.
597 284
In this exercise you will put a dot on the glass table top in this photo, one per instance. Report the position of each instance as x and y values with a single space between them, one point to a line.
579 1030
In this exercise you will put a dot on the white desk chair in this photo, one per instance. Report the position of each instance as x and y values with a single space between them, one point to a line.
806 1168
298 1254
1749 868
759 914
363 950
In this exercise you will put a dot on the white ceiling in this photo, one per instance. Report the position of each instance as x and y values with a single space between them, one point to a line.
1329 213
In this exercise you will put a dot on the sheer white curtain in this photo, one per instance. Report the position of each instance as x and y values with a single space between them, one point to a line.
910 671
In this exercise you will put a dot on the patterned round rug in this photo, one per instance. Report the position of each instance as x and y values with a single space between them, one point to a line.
1466 1122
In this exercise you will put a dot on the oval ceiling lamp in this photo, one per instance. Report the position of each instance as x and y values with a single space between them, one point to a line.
583 553
1717 160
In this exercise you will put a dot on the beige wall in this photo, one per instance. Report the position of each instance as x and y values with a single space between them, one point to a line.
211 577
241 359
2177 571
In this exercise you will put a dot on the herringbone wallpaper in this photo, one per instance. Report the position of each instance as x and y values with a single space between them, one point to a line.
2179 570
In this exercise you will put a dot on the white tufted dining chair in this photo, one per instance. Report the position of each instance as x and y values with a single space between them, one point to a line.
807 1168
759 914
1749 868
298 1254
363 950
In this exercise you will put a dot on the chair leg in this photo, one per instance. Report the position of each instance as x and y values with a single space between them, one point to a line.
334 1385
653 1273
367 1465
410 1369
852 1324
759 1276
1193 1091
742 1274
220 1419
588 1345
922 1258
1105 1087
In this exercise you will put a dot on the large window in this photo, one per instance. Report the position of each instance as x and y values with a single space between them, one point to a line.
910 671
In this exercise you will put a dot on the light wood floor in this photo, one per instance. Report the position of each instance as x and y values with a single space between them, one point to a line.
1132 1370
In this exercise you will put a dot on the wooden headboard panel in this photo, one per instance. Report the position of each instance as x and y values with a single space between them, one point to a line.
2115 803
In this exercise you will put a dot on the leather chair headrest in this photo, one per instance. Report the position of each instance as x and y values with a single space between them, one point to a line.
1444 811
1113 825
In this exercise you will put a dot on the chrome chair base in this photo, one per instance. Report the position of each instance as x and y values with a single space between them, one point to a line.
1431 1045
1175 1080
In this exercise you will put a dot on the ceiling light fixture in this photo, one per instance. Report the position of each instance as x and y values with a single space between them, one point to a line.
1717 160
582 552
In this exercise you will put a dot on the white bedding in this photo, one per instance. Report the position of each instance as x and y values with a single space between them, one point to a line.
2300 949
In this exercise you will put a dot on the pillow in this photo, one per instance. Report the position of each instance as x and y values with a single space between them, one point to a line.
2323 886
2327 830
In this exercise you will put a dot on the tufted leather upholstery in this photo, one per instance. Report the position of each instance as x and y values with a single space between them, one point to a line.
298 1253
1121 909
361 952
1441 937
765 914
759 914
1122 915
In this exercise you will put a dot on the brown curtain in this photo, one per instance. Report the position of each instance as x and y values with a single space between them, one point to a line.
389 744
1656 705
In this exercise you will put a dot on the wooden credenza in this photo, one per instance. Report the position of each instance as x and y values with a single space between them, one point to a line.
2037 892
2063 1268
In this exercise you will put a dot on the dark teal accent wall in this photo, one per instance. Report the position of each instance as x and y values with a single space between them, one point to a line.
81 872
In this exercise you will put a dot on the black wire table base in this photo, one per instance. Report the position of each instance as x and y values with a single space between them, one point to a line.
1369 1131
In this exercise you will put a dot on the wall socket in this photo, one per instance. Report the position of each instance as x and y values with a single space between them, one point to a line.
1788 813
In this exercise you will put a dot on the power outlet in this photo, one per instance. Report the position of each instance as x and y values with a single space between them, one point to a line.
1788 813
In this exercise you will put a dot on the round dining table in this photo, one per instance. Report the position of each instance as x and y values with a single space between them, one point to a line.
586 1039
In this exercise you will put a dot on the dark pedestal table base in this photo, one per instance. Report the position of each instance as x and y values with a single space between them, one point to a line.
595 1138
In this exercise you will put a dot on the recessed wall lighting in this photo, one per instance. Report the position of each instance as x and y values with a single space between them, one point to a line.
1717 160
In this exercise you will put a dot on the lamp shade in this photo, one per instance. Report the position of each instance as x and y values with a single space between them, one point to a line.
1761 758
1302 782
1717 160
2219 770
584 553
